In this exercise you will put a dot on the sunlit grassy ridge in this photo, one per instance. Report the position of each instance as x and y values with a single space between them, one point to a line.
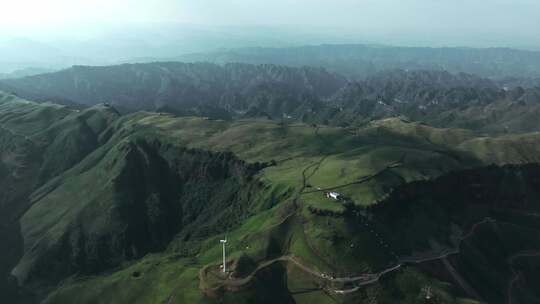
345 155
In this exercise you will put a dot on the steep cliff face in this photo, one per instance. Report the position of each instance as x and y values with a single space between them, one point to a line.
140 195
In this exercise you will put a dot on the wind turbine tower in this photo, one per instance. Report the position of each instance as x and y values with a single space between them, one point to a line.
223 242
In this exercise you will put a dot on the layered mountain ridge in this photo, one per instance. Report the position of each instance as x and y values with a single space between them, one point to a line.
311 95
359 61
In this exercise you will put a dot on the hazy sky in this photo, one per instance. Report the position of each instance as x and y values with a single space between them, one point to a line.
504 22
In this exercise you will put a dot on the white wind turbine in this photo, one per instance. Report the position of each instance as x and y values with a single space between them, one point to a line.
224 242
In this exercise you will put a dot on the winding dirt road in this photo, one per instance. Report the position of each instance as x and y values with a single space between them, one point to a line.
365 278
359 280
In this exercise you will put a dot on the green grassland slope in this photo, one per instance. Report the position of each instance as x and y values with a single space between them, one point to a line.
130 209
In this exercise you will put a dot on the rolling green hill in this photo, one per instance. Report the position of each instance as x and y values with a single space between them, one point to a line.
110 208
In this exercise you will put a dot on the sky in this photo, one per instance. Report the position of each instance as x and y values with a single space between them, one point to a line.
509 21
57 33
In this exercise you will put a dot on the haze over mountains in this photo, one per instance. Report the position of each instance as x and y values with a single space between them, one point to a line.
295 152
352 60
359 61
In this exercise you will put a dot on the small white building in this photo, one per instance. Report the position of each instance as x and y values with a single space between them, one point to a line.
333 195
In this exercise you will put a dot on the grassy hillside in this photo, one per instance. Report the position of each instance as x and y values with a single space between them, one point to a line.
488 214
37 142
131 208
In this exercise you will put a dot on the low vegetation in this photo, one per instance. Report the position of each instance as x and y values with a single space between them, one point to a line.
131 208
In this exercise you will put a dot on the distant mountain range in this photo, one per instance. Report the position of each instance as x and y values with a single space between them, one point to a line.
356 61
182 87
19 55
360 61
25 72
307 94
